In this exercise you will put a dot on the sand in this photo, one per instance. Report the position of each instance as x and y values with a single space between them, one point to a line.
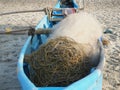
106 11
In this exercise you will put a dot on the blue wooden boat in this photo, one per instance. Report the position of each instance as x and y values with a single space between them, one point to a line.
93 81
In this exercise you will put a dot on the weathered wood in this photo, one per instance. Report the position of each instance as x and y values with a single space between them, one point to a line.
27 30
43 31
27 11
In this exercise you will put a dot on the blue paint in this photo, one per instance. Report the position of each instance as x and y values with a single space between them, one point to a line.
93 81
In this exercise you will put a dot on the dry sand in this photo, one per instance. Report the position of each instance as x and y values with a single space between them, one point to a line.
106 11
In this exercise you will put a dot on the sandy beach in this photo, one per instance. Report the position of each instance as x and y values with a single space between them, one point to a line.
106 11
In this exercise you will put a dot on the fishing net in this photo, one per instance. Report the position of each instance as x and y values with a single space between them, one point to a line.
59 62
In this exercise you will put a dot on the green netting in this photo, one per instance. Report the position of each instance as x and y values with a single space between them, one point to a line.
59 62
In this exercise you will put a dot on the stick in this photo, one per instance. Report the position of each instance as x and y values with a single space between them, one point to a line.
43 31
15 31
27 11
23 31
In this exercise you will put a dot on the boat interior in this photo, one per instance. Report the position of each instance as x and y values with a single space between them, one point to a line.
34 42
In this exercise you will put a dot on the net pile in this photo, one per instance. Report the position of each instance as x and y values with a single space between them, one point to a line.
59 62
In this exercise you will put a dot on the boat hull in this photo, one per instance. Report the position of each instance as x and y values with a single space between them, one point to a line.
93 81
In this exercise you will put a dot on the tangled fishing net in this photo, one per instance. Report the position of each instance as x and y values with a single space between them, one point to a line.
59 62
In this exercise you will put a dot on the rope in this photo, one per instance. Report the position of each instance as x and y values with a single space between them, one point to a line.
59 62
